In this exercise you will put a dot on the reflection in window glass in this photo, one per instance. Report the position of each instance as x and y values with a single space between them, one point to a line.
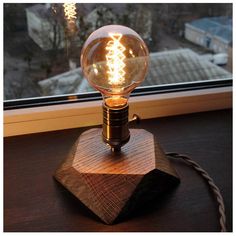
42 43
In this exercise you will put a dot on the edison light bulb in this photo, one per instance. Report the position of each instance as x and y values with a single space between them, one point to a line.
115 60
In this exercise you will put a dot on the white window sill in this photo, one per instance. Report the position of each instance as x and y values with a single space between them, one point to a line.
58 117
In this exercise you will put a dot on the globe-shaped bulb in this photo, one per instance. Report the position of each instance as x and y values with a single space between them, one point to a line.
115 60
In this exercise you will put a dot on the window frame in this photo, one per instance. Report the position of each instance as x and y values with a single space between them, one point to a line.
93 96
81 110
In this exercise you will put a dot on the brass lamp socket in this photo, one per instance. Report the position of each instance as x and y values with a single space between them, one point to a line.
115 126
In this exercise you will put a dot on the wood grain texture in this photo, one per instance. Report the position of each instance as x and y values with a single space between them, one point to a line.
105 182
35 202
136 157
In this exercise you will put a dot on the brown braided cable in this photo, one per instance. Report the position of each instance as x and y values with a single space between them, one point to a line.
211 184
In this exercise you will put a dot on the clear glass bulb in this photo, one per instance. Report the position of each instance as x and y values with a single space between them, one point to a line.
115 60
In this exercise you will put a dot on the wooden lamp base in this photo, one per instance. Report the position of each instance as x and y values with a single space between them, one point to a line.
112 184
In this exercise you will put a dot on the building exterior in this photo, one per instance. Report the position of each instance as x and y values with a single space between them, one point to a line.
168 67
43 29
99 17
213 33
139 19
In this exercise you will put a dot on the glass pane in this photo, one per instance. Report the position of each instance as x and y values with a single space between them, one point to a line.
42 44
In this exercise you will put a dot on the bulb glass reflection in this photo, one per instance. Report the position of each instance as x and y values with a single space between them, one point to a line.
114 60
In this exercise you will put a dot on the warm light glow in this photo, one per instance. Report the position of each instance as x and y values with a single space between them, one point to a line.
115 60
70 11
116 101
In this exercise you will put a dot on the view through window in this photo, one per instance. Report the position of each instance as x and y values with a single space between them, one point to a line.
42 43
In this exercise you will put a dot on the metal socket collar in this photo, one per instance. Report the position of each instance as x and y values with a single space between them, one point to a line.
115 126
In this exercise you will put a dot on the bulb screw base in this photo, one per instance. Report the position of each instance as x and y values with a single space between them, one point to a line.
115 127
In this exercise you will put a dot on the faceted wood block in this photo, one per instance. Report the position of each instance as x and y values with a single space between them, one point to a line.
113 184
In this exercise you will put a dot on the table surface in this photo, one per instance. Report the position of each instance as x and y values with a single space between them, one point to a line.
34 201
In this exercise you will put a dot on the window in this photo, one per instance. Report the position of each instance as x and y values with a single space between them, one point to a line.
44 88
42 48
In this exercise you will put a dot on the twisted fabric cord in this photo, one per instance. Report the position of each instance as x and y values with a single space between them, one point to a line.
211 183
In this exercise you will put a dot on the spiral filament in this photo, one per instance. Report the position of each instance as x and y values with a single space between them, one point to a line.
115 60
70 11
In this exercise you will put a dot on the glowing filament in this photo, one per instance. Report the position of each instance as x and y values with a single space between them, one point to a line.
115 60
70 11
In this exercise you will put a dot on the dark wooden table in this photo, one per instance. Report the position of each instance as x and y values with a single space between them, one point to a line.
34 201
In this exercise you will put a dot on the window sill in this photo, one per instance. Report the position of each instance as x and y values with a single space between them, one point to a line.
59 117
